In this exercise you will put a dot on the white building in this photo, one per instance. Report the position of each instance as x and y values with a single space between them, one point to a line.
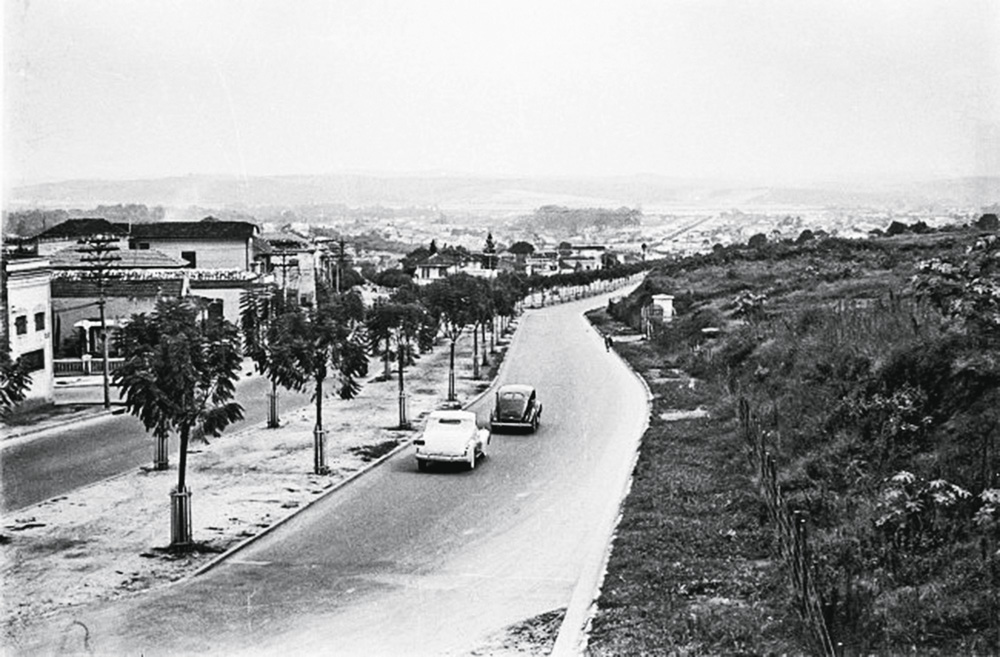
28 294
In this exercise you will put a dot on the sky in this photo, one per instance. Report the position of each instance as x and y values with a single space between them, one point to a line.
763 90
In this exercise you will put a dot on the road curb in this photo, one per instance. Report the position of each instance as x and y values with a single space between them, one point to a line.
575 629
30 431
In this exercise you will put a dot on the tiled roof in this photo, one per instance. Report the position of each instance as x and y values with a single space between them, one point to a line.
70 258
83 228
67 288
205 229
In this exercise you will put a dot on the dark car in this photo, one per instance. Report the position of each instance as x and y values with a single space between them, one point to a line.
517 407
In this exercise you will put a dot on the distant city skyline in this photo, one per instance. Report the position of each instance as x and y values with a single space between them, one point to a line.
778 91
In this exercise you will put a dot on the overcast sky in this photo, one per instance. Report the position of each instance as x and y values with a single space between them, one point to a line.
778 90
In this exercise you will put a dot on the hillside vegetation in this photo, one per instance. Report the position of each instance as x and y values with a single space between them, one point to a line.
843 494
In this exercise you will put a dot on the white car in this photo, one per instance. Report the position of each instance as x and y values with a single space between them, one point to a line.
451 437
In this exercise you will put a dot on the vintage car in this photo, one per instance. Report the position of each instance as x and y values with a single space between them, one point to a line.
517 407
451 437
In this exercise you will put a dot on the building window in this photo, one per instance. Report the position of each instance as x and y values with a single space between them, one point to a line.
39 321
215 307
191 258
21 324
34 360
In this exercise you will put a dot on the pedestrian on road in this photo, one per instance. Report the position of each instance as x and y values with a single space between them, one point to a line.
608 342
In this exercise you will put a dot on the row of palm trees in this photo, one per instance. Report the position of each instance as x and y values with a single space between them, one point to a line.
181 363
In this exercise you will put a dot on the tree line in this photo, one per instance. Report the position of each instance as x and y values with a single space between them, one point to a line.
181 362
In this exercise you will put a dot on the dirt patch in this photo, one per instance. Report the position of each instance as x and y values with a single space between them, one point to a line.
376 451
534 636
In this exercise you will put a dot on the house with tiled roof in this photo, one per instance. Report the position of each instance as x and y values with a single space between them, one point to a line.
76 316
139 279
435 267
71 258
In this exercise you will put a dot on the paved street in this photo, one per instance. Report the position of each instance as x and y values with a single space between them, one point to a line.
401 562
60 460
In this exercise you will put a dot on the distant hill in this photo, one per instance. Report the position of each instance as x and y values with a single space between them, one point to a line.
512 194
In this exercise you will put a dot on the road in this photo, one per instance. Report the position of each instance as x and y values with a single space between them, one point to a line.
61 460
407 563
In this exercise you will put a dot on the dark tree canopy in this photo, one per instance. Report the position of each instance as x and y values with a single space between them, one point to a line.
521 248
180 371
393 278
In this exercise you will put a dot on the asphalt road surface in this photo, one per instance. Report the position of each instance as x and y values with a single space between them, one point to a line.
58 461
401 562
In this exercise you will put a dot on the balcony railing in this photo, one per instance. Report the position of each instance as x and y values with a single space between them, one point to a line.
83 366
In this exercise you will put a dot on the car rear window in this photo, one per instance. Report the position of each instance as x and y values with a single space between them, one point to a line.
512 396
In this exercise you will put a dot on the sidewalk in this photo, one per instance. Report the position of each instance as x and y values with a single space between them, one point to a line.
51 417
107 540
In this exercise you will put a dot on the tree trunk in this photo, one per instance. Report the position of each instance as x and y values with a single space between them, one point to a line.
404 421
475 352
486 353
451 372
180 499
273 421
319 436
161 453
388 371
319 403
182 457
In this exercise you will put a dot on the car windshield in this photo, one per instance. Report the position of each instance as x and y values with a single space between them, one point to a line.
512 401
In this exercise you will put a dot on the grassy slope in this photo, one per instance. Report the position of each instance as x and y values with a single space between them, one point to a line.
692 569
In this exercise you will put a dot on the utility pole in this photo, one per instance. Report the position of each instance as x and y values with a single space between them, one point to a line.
100 258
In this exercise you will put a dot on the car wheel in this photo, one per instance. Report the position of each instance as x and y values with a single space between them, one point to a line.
422 465
534 424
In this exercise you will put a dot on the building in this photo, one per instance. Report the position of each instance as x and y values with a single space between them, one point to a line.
205 244
660 310
585 258
75 312
26 284
137 279
434 268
